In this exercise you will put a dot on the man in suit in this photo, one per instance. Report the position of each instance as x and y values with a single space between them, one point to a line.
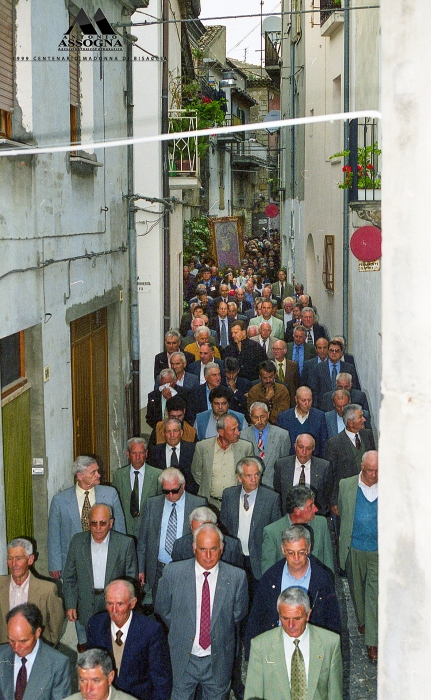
299 351
206 354
285 313
137 643
176 408
136 482
324 377
268 676
264 338
183 547
334 419
174 452
31 669
221 324
300 510
202 636
357 504
236 383
303 468
345 450
305 419
347 357
248 353
213 380
69 510
168 387
232 312
274 394
22 587
313 329
165 518
344 381
245 510
95 677
185 379
281 288
202 335
269 442
277 328
242 304
287 370
299 568
256 309
220 400
94 559
214 461
321 346
172 344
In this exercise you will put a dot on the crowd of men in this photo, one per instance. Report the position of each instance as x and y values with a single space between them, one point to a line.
213 544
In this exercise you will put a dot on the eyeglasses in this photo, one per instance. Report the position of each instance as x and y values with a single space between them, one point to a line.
174 491
95 523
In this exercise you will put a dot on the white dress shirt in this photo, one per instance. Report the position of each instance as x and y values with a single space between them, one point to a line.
289 648
212 582
301 418
141 477
29 665
99 557
80 495
18 594
244 521
169 453
298 470
370 492
124 629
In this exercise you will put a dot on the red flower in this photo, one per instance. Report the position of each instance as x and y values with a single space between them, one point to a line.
347 169
359 167
370 167
206 100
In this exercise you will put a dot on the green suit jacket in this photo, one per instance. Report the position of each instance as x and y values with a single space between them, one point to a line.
347 494
203 458
267 677
277 326
322 546
151 487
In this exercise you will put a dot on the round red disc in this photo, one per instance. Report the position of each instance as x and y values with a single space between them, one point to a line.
366 243
271 211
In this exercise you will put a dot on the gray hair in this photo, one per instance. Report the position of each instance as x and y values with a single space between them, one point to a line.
91 658
208 526
21 542
203 514
294 596
210 365
181 355
172 420
220 423
308 309
170 474
245 461
264 323
82 463
101 505
340 339
127 584
300 328
295 533
136 441
344 375
167 372
349 412
341 392
252 331
201 331
172 333
301 435
297 497
259 404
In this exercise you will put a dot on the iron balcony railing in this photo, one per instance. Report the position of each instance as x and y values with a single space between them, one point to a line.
364 160
327 7
183 152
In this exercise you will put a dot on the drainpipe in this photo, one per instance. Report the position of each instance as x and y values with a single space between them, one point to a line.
346 106
292 152
131 232
165 171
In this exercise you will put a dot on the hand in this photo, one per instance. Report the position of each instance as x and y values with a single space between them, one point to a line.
55 574
72 615
141 577
270 391
334 510
167 393
232 385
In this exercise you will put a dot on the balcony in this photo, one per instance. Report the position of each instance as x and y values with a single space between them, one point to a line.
231 120
331 17
250 155
183 152
273 55
365 164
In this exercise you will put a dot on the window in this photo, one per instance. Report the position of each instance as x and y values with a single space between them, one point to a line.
12 366
6 68
328 263
74 80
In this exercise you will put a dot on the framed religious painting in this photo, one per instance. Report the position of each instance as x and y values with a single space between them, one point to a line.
227 242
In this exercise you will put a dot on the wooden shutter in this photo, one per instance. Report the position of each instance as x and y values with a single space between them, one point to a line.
6 55
74 88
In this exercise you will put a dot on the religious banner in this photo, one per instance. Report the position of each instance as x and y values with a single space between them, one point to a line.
227 241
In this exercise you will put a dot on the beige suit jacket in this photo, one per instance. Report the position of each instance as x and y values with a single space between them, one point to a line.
44 595
203 457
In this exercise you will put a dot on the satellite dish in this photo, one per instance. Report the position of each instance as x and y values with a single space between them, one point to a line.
271 24
272 116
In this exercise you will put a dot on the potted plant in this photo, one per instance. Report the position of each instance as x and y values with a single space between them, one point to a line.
368 178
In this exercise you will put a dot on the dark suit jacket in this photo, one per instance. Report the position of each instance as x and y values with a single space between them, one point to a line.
145 669
195 367
318 332
356 396
151 487
149 535
319 380
266 511
250 357
232 552
290 327
190 381
49 678
307 368
264 616
78 572
322 481
332 425
243 306
339 451
161 361
176 604
315 425
154 406
215 326
187 450
309 352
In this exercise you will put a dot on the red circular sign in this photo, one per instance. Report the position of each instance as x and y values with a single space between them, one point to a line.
271 211
366 243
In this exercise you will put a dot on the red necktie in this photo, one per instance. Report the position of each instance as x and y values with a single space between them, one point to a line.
260 445
205 625
21 680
